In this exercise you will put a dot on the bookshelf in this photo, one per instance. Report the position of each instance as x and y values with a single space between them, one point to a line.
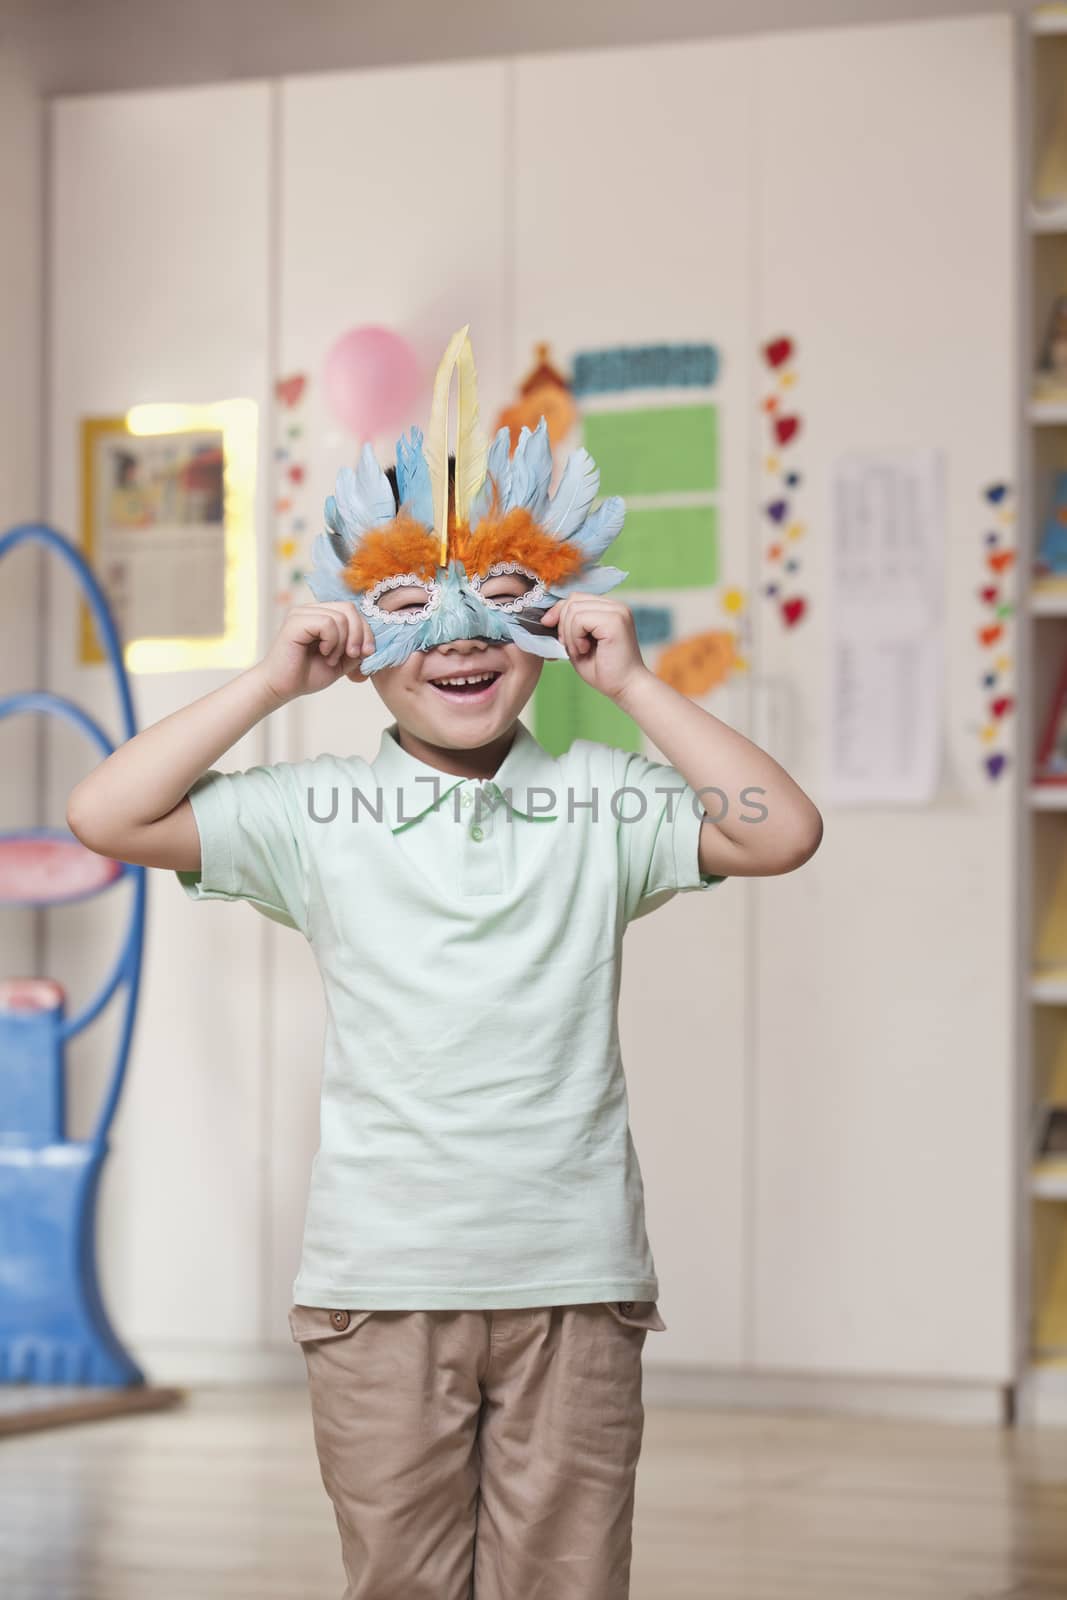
1043 808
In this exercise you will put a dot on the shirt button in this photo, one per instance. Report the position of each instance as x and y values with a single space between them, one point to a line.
340 1319
626 1305
478 834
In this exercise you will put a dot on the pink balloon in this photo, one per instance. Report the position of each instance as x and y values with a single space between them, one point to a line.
372 381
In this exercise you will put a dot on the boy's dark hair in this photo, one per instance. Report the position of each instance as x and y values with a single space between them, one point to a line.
390 473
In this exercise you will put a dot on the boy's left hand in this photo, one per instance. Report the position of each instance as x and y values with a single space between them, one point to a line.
599 636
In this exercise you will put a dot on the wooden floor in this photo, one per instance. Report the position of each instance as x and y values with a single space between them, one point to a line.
222 1500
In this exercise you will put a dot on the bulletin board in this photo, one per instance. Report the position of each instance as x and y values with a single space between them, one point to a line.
650 419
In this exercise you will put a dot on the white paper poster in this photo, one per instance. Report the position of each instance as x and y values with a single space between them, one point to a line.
886 625
158 538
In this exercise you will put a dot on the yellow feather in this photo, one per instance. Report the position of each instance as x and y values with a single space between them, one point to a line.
472 446
437 438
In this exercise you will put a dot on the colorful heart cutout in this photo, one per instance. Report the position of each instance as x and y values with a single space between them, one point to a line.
290 390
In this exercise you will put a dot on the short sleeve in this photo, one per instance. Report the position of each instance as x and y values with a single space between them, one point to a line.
659 818
252 844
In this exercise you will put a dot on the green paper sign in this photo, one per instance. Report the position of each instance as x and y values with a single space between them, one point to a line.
671 450
565 708
669 547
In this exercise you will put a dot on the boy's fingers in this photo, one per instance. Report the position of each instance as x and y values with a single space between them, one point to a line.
354 624
564 632
333 639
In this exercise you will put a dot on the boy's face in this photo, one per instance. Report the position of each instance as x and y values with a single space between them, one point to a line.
464 717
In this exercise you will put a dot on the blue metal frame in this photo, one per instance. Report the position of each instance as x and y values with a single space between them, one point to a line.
53 1326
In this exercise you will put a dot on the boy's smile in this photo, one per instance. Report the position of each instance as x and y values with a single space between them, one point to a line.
472 685
436 718
431 693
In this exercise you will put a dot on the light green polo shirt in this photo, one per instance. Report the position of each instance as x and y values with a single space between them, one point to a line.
475 1143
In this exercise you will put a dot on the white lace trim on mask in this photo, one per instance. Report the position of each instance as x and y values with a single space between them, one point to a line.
403 580
531 597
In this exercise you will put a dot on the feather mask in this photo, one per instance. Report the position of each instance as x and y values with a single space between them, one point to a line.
446 540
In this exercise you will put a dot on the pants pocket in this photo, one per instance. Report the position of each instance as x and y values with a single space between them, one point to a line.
636 1313
323 1322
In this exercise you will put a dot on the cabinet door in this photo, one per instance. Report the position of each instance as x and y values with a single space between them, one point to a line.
395 209
632 227
883 1086
159 291
21 188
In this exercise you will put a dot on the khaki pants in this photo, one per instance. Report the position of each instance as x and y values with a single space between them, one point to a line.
484 1454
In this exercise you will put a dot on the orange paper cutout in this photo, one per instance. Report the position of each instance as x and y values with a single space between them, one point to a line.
695 665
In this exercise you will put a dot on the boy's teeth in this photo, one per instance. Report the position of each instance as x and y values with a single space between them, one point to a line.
484 677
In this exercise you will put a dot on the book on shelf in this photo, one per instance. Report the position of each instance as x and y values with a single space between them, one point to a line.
1051 559
1050 165
1052 973
1051 763
1050 380
1050 1142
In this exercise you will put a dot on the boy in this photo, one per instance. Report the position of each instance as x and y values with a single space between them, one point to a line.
476 1284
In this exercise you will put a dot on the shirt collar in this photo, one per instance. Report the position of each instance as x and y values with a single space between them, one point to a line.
409 793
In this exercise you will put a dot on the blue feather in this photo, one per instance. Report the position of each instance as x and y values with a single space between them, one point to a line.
594 580
569 506
536 644
324 579
413 478
538 462
364 497
597 531
498 471
520 472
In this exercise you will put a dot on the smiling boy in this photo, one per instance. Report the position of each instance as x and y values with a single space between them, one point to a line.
476 1284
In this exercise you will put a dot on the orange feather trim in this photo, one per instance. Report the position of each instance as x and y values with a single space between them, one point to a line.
405 545
516 537
402 545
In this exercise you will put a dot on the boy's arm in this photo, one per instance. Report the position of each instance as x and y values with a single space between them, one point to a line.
739 780
734 779
133 806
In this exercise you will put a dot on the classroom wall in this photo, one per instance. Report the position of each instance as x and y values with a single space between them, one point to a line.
812 1206
21 652
884 1085
160 248
106 45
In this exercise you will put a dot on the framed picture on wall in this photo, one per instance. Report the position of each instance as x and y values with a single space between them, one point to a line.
168 527
1052 752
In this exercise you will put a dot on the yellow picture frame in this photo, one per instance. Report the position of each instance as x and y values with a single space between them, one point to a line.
236 421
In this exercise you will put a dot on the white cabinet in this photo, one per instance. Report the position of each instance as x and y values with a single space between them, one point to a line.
160 247
395 205
633 215
883 1068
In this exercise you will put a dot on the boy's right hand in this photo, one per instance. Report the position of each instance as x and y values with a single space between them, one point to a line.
316 645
